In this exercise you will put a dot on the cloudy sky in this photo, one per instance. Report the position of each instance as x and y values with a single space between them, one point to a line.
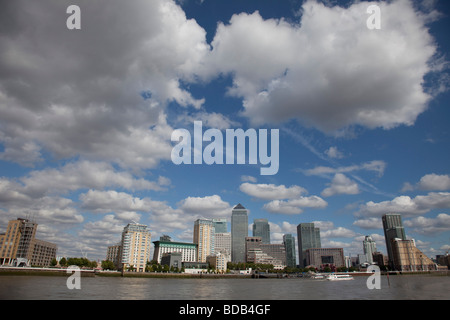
87 115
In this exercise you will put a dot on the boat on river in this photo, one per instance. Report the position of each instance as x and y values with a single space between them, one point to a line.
339 277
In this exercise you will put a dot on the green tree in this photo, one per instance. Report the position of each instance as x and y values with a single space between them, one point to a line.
63 262
108 265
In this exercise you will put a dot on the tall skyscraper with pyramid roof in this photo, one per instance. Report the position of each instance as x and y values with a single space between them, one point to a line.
239 230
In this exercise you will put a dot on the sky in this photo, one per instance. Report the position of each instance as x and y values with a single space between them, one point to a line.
87 117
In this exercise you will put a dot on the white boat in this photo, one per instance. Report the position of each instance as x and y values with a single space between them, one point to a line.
318 276
339 277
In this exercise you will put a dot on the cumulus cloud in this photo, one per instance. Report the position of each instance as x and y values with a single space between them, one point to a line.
341 185
272 191
429 226
434 182
328 70
295 206
100 91
406 205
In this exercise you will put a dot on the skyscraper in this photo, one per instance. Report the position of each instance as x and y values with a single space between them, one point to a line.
261 229
369 248
393 229
289 244
239 230
308 238
204 237
136 242
220 225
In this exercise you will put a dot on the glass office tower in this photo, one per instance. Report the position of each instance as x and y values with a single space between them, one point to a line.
239 230
308 238
289 244
393 229
261 229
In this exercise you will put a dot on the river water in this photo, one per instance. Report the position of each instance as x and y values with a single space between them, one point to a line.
400 287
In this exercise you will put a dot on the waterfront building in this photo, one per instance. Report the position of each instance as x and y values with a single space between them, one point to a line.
239 230
43 253
393 229
188 250
136 244
172 259
113 254
380 259
259 252
219 260
222 242
261 228
19 247
406 257
317 257
204 238
289 245
308 237
370 248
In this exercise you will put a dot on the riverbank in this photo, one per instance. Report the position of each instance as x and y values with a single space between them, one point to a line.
30 271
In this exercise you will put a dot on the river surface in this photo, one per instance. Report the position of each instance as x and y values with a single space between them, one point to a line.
400 287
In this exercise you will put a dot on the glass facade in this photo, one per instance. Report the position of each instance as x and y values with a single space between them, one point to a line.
239 230
308 238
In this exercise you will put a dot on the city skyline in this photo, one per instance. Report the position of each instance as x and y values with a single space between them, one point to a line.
87 116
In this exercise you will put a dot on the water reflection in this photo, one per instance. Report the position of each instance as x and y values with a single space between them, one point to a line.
54 288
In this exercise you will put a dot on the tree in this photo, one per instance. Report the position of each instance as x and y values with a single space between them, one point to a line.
63 262
108 265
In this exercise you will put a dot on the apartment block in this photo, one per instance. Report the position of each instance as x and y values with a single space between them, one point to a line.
136 244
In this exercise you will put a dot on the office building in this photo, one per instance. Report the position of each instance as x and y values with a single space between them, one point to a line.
204 238
258 252
393 229
19 247
188 250
136 244
220 225
370 248
219 260
308 237
172 259
239 230
406 257
261 229
289 245
222 242
113 254
318 257
43 253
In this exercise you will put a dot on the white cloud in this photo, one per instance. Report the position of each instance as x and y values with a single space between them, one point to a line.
334 153
429 226
295 206
434 182
377 166
369 223
70 94
341 185
406 205
209 206
246 178
329 70
271 191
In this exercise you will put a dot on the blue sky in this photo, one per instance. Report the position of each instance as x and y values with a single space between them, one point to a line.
86 117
